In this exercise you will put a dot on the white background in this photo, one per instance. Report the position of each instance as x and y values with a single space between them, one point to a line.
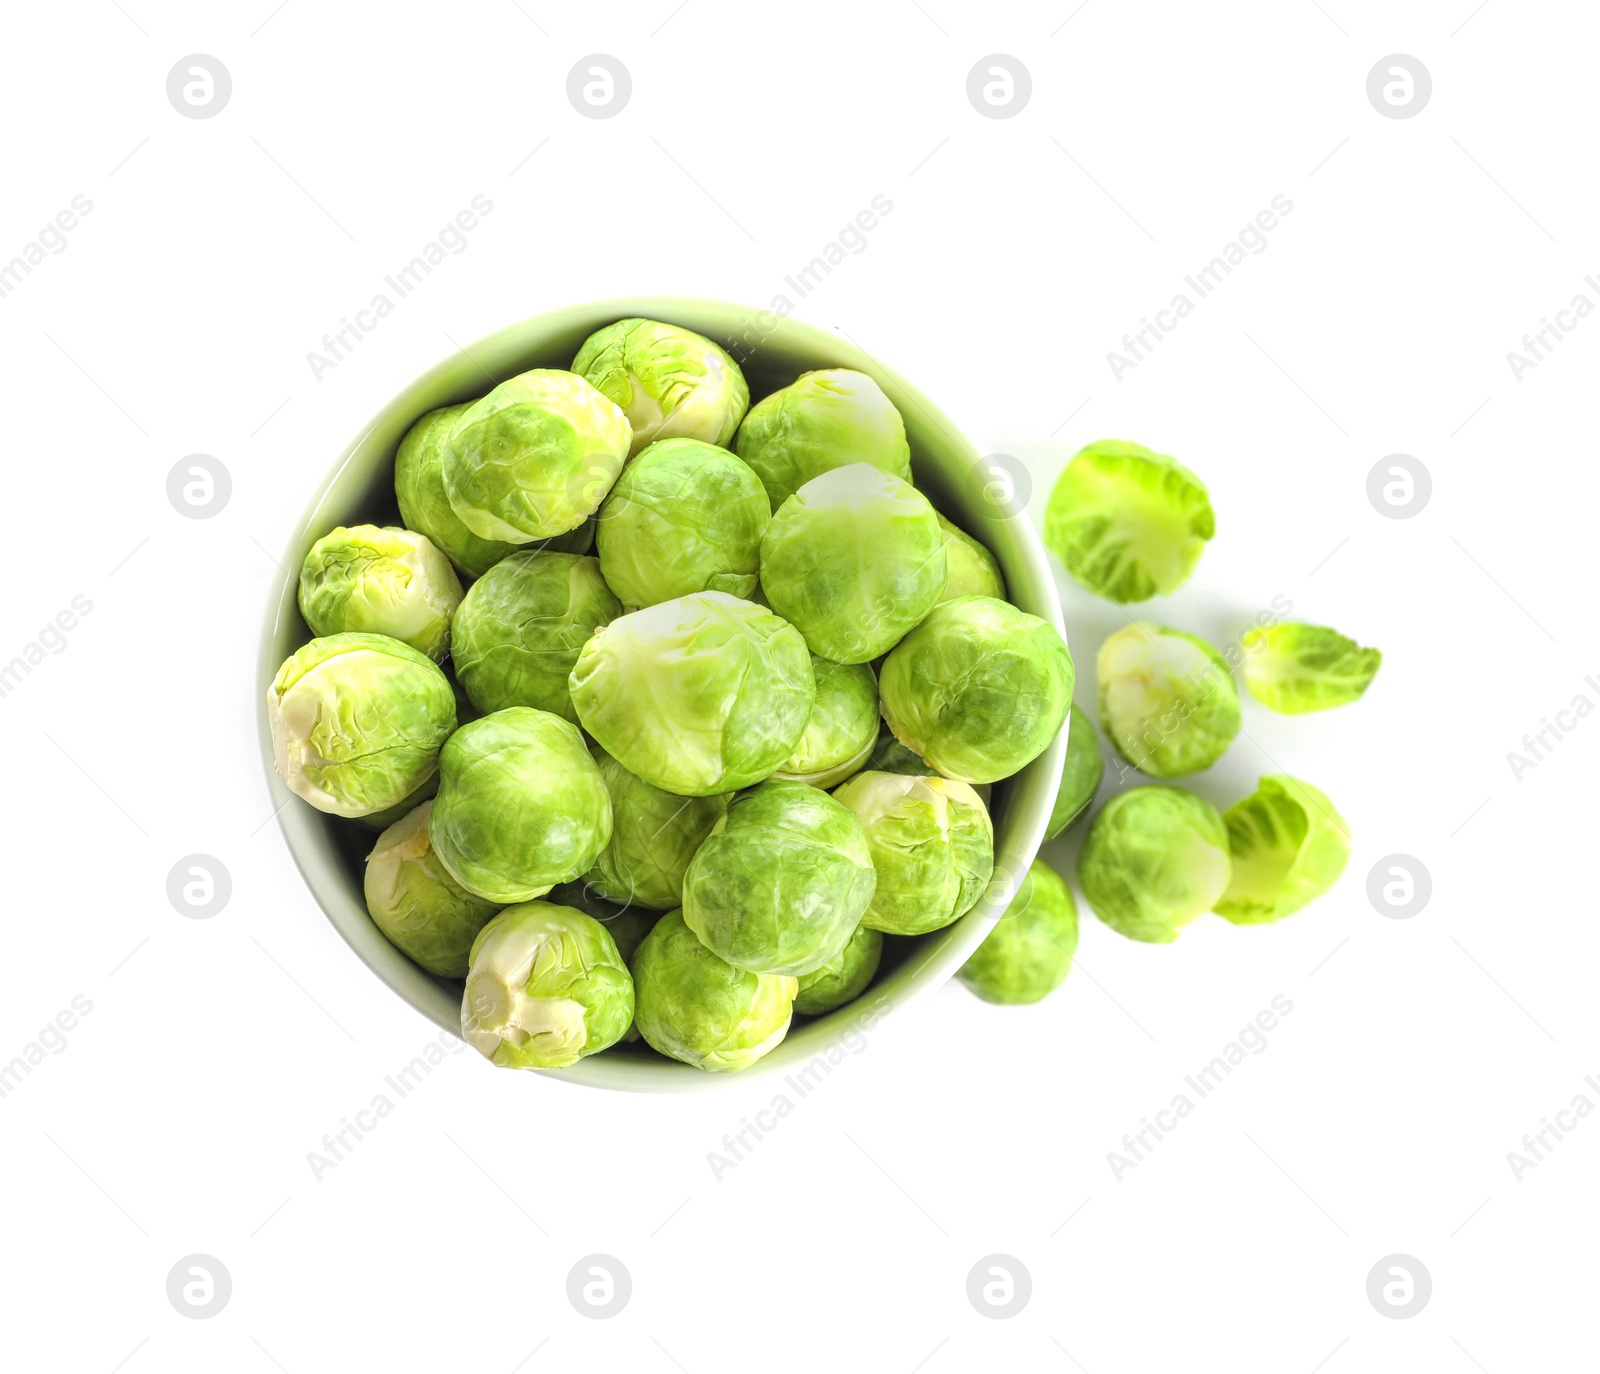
179 1117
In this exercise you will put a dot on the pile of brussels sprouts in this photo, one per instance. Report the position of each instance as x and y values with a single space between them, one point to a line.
1130 524
725 698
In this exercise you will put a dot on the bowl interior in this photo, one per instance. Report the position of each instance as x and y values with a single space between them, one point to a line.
772 351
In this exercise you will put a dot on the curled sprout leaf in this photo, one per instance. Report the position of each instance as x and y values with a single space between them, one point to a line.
1288 847
1128 523
1294 668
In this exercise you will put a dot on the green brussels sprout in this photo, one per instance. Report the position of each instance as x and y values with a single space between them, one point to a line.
684 517
357 722
1167 699
520 628
844 977
972 569
932 847
697 1008
424 507
782 880
627 925
1128 523
1029 952
535 457
1295 668
413 900
1155 858
700 695
853 560
979 689
367 580
521 805
547 987
654 834
1288 846
671 382
823 421
1080 776
843 726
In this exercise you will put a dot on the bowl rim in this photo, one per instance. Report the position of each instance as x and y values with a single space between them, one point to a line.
1015 544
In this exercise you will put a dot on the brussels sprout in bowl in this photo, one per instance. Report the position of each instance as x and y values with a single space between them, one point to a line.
772 353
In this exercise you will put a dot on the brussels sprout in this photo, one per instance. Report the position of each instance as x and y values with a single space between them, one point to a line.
932 846
671 382
700 1009
822 421
535 457
654 834
521 626
521 805
1167 699
973 571
357 722
1029 953
1079 777
547 987
683 517
699 695
368 580
781 881
1288 847
1128 523
413 900
853 560
844 977
979 689
1295 668
843 727
419 487
625 925
1155 858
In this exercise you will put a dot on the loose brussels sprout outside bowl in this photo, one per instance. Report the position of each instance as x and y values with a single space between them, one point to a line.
772 352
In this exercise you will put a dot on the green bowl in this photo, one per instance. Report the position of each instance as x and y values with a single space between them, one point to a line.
772 351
